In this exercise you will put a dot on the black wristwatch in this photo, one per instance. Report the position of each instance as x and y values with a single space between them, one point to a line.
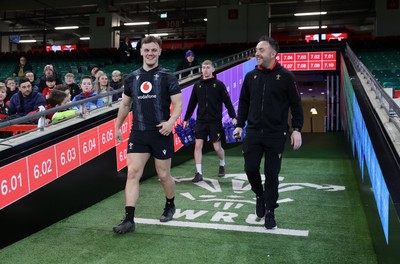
297 129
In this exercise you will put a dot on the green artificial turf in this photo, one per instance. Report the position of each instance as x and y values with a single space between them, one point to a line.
318 197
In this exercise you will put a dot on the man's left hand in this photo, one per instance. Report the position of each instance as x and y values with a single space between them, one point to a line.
165 128
295 140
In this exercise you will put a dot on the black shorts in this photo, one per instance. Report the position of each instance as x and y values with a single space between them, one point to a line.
214 130
159 146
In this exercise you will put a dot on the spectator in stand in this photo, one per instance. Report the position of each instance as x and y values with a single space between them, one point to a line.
31 76
22 67
64 88
103 86
69 80
58 97
26 100
50 84
12 88
125 51
3 106
93 72
47 71
116 80
188 62
87 92
95 76
138 57
4 109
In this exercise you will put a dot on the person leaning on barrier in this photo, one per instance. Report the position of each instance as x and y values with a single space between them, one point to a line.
87 92
188 62
59 98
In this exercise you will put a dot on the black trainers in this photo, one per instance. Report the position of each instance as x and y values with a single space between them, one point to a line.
125 227
168 214
221 171
270 220
260 206
197 177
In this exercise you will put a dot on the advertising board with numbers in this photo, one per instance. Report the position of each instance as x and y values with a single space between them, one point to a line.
28 174
309 61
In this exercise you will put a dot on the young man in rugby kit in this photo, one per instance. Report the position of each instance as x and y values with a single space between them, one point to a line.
150 91
209 94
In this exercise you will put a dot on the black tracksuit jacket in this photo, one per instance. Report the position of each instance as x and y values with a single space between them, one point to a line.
265 99
209 94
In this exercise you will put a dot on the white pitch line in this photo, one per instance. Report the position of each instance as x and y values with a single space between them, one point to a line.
241 228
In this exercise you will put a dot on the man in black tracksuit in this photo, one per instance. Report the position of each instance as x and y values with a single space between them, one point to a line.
267 93
209 93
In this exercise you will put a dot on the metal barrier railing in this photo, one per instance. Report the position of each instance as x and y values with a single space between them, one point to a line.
386 102
220 63
37 119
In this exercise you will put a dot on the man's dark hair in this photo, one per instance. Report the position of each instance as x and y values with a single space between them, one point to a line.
56 97
62 87
23 79
272 42
150 39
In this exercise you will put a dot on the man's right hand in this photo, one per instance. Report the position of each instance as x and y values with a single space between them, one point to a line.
185 124
118 135
237 133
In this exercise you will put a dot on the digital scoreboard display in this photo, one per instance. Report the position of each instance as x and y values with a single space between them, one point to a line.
309 61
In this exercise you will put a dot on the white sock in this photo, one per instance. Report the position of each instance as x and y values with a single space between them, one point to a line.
222 162
198 168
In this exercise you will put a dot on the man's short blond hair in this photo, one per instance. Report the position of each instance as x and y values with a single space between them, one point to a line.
208 62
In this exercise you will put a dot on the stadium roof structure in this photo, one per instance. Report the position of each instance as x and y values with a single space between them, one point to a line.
32 18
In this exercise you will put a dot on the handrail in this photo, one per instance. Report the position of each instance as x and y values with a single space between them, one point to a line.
386 102
38 115
391 110
220 63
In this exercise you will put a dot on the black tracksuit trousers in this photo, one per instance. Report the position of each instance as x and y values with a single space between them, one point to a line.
256 145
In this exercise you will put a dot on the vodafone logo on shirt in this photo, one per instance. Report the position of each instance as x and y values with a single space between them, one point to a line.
146 87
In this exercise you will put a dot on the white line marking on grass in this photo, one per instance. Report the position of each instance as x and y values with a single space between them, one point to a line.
240 228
